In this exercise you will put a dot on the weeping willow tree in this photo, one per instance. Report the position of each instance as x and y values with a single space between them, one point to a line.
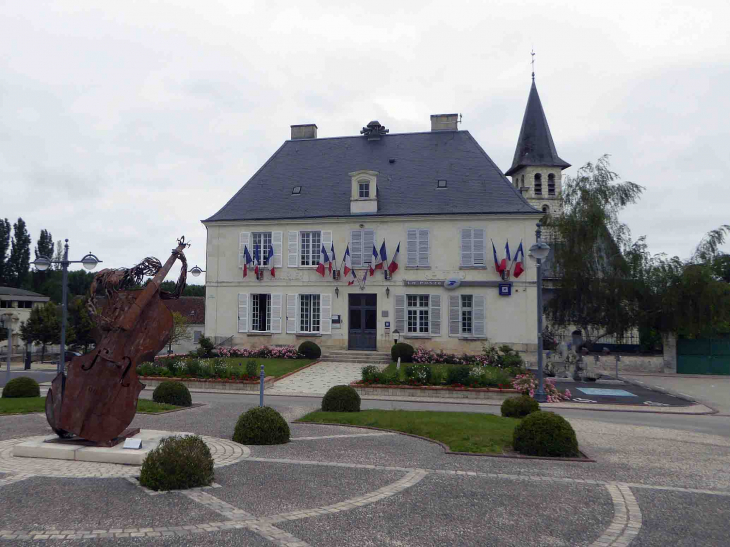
594 258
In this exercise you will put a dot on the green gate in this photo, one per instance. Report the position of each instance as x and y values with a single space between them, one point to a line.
704 356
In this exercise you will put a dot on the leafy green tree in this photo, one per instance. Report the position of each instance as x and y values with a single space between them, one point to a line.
593 254
4 246
179 330
19 261
82 327
44 245
189 290
59 256
43 326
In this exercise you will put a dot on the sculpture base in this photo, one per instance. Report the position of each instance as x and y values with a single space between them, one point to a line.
80 441
81 450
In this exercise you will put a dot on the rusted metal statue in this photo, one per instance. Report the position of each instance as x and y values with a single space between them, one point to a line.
97 399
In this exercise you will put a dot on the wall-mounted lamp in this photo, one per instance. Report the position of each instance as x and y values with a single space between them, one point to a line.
337 292
196 270
396 335
387 292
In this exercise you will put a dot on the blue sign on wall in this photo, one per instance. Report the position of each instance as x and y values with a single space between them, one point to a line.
505 289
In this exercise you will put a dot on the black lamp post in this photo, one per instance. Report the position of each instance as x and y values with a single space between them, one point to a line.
539 251
42 263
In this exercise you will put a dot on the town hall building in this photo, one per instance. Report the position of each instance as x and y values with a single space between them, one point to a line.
434 195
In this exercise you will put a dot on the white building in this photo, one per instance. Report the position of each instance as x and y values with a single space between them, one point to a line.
436 193
16 304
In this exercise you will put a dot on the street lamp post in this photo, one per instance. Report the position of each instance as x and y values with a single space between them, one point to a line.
42 263
539 251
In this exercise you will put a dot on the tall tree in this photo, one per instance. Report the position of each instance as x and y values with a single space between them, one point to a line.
81 325
4 246
179 330
43 326
59 255
19 261
44 246
592 248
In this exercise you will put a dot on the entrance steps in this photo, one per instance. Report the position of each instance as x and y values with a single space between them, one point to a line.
358 357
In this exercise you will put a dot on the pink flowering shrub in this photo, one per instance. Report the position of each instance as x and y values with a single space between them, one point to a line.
527 384
265 352
502 357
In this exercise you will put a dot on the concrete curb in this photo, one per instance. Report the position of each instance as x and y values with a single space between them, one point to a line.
671 392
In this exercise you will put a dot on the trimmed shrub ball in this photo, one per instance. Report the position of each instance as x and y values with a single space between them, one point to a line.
519 407
261 425
178 463
21 387
310 350
545 434
402 350
172 393
341 399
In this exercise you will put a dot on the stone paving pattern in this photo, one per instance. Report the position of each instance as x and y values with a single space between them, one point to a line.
317 379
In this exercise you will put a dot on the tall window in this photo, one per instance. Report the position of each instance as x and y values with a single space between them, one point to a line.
311 243
551 184
363 189
417 308
261 312
309 313
466 314
522 181
361 247
261 244
538 184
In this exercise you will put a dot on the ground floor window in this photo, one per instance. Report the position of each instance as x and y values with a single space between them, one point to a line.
466 314
261 312
309 313
417 313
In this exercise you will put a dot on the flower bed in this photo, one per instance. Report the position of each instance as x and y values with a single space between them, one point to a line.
219 368
527 384
502 357
446 392
211 383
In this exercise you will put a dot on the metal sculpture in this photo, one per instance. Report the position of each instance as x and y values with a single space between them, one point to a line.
97 399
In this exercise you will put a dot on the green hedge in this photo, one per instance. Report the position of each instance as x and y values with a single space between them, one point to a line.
21 387
261 425
172 393
341 399
545 434
402 350
519 407
310 350
178 463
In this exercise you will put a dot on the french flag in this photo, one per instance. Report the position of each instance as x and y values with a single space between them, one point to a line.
348 263
332 256
270 261
323 259
354 277
503 263
497 266
256 261
519 257
246 261
376 263
383 255
393 266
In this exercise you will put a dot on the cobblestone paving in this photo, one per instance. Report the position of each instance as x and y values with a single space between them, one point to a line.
317 379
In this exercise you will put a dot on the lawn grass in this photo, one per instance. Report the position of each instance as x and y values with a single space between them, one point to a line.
26 405
272 367
460 431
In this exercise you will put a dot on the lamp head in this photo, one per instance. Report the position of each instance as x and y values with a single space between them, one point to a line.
42 263
539 250
90 261
196 271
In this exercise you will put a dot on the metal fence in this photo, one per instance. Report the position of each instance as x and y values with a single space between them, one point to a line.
629 343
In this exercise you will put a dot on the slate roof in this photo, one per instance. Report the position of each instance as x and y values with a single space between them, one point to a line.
190 307
407 186
535 144
12 291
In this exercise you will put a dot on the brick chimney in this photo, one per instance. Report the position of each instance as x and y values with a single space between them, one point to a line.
444 122
304 131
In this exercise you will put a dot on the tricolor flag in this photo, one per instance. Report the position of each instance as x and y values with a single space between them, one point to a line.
519 257
496 260
376 263
246 261
256 261
323 259
505 261
383 255
332 255
393 266
354 277
348 262
270 261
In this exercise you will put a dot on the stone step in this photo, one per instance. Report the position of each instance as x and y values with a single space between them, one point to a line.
334 359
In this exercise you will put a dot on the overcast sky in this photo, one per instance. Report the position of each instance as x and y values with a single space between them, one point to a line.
122 124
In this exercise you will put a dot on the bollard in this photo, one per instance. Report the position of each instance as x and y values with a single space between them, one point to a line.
618 358
261 388
397 366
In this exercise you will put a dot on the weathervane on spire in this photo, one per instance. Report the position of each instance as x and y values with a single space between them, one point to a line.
533 64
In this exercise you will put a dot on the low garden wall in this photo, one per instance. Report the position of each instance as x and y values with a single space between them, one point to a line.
152 382
444 392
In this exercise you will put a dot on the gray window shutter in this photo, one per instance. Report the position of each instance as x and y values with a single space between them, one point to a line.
435 314
423 242
243 312
400 313
479 242
454 315
244 240
325 313
467 257
291 313
368 241
276 302
293 250
277 244
356 248
479 314
412 248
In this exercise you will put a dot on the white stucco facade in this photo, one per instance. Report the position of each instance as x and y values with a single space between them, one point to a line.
507 319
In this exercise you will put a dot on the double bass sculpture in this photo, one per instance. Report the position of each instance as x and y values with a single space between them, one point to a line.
97 399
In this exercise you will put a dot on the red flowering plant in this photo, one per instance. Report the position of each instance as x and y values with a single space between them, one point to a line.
527 385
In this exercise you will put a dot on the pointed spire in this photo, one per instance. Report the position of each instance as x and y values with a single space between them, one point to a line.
535 144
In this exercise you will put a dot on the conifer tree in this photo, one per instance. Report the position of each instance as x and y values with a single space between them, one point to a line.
4 247
19 261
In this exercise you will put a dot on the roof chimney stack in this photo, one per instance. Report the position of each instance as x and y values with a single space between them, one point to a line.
304 131
444 122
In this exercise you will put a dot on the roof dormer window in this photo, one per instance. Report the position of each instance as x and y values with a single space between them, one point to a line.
364 194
